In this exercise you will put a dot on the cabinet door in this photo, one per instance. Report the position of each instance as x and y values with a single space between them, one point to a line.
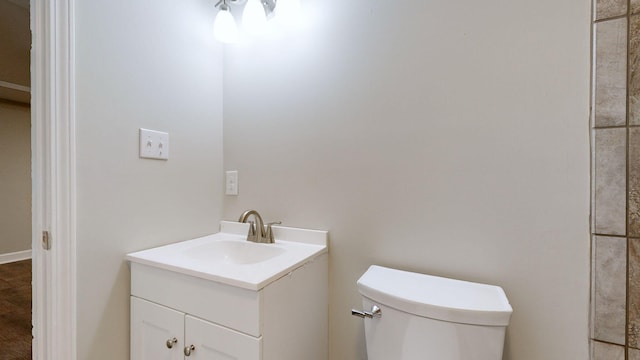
152 326
214 342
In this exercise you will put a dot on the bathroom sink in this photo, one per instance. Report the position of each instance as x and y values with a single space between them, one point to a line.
227 257
234 252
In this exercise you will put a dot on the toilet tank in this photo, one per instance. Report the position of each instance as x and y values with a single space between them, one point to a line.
426 317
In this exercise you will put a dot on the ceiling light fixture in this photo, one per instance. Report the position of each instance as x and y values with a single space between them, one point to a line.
254 17
224 26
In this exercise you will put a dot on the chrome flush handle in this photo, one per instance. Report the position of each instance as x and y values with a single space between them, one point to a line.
375 312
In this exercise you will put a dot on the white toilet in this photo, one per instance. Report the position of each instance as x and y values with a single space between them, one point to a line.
412 316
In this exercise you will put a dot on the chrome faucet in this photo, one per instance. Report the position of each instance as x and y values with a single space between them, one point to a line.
256 231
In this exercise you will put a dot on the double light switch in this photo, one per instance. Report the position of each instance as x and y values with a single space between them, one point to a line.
154 144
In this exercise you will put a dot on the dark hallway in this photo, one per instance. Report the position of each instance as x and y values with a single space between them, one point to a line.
15 310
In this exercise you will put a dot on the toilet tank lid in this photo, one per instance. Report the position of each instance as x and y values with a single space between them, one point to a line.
436 297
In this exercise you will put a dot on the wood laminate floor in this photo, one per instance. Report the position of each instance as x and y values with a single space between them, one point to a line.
15 311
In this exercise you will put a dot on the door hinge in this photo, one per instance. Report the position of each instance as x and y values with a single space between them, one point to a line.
46 241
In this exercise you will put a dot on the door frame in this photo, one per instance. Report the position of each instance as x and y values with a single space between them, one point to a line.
53 178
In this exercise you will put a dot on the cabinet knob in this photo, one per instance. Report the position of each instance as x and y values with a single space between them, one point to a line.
171 342
188 350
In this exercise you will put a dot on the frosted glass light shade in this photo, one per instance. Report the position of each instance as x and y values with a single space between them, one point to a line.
254 19
224 27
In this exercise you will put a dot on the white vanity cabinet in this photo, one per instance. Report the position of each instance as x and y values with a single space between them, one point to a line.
152 326
161 333
286 319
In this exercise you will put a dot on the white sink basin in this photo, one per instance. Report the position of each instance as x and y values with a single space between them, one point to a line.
227 257
233 252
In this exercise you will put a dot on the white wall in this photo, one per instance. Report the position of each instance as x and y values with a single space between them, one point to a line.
151 64
15 178
446 137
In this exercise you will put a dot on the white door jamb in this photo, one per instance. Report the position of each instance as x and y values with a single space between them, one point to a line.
54 179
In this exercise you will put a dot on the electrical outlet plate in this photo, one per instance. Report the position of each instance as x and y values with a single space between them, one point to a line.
154 144
231 181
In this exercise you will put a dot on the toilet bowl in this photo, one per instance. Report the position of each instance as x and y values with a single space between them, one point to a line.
410 316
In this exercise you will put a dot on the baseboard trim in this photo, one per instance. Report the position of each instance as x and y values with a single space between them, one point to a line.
15 256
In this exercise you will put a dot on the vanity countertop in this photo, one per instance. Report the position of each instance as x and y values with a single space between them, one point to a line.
227 257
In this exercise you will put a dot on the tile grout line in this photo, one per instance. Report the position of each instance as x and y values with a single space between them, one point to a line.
610 235
592 207
617 17
632 126
628 115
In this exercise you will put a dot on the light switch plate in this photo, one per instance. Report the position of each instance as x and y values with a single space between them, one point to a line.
154 144
231 181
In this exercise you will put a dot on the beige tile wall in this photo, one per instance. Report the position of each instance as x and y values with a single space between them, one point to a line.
616 181
634 294
610 289
604 351
610 8
611 72
634 182
634 76
610 181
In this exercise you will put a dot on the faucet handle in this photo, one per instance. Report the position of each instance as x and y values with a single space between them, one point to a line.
252 231
269 235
